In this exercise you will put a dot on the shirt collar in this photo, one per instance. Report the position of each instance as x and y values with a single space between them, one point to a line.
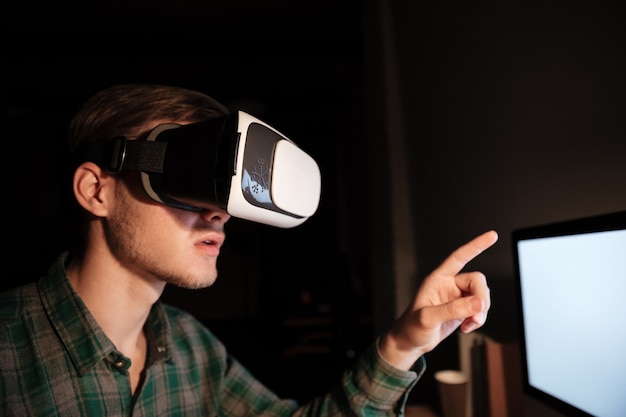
83 338
158 334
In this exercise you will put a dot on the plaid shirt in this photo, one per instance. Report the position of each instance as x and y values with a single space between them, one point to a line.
55 360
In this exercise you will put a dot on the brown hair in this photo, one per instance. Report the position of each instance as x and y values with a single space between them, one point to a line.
124 110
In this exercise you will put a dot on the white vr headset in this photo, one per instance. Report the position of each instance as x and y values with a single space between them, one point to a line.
236 162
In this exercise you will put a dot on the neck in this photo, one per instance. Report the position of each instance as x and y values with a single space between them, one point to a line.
118 299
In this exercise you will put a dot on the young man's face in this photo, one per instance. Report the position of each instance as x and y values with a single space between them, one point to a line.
164 243
160 242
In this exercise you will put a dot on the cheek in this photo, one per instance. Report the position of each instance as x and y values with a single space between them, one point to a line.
157 219
163 221
152 219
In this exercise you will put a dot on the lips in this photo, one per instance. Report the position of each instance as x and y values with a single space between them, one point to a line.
209 245
214 239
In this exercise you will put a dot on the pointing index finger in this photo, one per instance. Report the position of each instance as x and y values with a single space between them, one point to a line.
464 254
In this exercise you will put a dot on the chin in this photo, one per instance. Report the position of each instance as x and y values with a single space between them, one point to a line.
193 282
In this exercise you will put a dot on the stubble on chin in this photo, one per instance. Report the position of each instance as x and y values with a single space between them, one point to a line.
192 282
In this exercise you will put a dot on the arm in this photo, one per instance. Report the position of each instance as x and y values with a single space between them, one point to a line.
382 378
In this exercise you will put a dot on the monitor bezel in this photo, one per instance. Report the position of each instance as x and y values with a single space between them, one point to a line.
591 224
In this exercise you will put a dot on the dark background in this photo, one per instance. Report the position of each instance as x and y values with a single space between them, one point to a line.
468 115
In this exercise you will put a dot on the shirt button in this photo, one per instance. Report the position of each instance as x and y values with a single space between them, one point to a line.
119 363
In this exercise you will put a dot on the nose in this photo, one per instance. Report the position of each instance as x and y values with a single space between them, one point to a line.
215 215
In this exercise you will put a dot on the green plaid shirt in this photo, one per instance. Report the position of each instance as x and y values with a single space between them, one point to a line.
55 360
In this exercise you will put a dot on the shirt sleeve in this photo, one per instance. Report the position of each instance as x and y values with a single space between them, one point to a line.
372 387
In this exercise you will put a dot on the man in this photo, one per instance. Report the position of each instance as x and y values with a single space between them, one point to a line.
92 338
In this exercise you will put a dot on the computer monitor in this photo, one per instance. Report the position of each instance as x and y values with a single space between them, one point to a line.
571 286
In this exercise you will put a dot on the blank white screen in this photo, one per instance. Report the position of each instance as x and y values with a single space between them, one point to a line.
573 304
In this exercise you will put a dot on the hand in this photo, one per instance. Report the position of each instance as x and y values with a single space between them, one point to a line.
447 299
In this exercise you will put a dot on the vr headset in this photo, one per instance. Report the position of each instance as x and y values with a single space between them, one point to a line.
236 162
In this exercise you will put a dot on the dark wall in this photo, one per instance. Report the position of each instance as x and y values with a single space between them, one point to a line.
514 117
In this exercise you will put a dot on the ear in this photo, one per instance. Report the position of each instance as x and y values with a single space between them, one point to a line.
92 185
